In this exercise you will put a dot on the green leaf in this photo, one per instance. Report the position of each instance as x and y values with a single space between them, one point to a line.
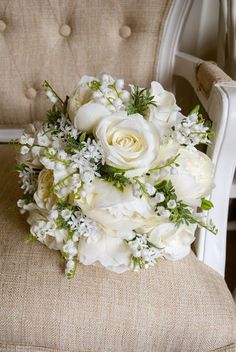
82 137
111 170
115 176
53 115
195 110
94 85
73 144
206 204
140 101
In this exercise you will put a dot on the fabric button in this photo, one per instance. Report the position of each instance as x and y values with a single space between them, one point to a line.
65 30
2 26
31 93
125 32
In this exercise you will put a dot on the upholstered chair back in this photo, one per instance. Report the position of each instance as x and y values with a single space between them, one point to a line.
61 40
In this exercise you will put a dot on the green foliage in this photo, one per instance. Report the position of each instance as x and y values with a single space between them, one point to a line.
195 110
53 115
140 101
182 213
115 176
62 223
206 204
171 162
73 144
20 167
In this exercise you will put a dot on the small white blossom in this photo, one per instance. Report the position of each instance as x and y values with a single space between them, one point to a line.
171 204
24 150
51 96
159 197
144 251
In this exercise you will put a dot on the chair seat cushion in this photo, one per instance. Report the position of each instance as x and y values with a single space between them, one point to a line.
174 306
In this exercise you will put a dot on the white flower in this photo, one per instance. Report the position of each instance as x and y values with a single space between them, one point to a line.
195 176
24 150
51 96
44 228
113 209
171 204
44 196
70 248
164 114
31 153
83 111
111 252
174 241
128 142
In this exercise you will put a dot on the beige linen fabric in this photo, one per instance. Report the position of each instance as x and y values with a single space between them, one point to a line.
208 73
181 306
116 36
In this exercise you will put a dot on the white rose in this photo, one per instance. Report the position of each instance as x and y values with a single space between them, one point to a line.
44 196
175 242
164 114
113 253
83 111
194 178
46 230
128 142
117 211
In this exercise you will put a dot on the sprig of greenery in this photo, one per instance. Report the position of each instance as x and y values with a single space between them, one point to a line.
182 213
140 100
73 144
170 162
53 115
114 175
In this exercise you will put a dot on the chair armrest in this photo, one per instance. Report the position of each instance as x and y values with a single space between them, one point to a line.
202 75
217 93
209 74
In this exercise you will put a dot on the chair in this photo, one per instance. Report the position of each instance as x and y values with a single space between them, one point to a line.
182 306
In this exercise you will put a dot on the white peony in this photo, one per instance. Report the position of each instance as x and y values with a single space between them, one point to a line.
111 252
163 115
83 111
119 212
173 241
128 142
194 178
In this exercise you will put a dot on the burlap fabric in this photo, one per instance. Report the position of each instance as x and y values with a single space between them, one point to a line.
181 306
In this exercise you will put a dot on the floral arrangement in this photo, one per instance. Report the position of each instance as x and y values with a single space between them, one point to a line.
113 177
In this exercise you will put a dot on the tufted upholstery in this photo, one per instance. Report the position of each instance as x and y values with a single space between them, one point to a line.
60 40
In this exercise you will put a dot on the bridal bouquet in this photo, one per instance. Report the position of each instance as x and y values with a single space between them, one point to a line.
113 176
